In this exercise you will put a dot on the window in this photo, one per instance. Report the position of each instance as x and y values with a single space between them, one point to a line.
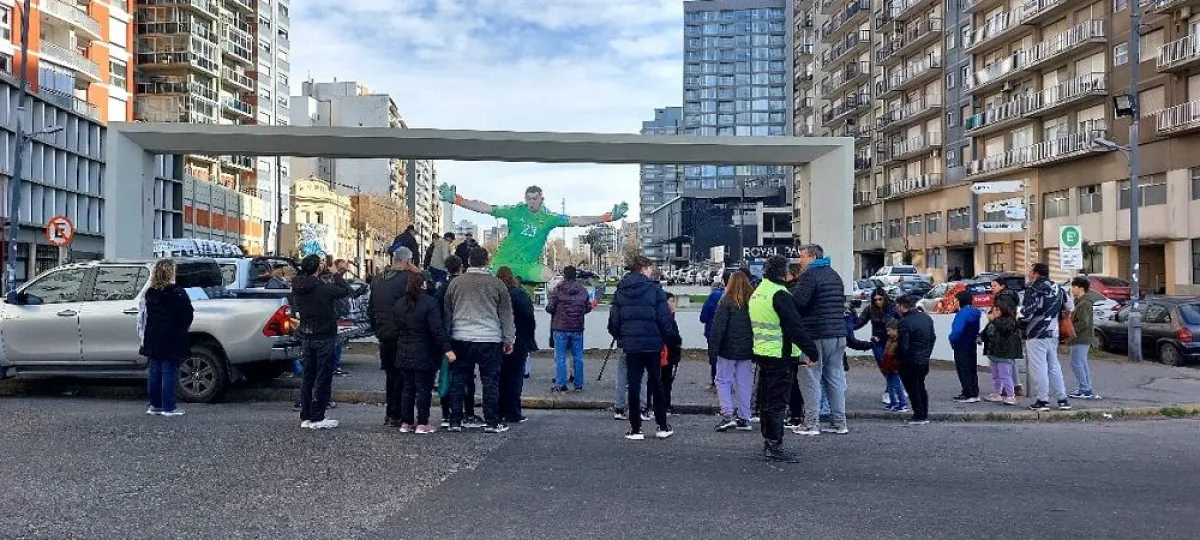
1196 261
934 258
933 222
1090 200
118 74
1120 5
913 226
959 219
1152 190
950 40
1056 204
1157 314
6 23
56 288
1153 99
1120 54
1149 47
118 32
950 121
118 283
893 230
949 80
995 257
1195 182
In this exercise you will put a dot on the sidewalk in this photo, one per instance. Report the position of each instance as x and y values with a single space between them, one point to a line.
1126 388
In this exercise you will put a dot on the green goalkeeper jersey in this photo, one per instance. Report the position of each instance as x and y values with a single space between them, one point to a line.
527 233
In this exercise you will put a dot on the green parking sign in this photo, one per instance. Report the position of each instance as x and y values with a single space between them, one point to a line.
1070 249
1070 235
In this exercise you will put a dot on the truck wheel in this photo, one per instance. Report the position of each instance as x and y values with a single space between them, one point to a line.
203 376
258 372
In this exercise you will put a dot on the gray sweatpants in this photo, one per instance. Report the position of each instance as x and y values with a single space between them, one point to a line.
1044 370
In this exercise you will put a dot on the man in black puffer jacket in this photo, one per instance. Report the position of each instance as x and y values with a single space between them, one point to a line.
314 301
386 289
641 323
820 298
916 338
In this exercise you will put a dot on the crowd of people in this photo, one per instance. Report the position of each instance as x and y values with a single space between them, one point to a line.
777 346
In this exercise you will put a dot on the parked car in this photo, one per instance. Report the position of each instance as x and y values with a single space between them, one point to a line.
861 290
892 275
915 288
1170 325
80 320
933 296
248 276
1116 288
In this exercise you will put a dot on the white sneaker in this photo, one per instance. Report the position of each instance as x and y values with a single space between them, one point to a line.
662 432
838 430
809 431
971 400
154 411
176 412
323 424
886 399
306 424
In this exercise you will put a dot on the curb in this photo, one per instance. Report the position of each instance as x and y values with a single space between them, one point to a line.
1180 410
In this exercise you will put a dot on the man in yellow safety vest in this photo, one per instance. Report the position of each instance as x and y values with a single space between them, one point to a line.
776 325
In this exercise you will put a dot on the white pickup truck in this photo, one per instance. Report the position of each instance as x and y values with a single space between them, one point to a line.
894 275
80 320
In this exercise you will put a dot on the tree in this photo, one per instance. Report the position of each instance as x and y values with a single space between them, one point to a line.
380 212
599 247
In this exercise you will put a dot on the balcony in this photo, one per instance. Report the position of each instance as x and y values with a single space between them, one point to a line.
70 58
862 161
995 73
853 42
1050 152
860 134
833 116
205 7
918 33
852 74
854 13
237 51
1038 11
863 198
914 73
172 59
237 107
803 104
1181 118
73 15
1077 39
70 103
977 6
900 10
996 30
803 50
1166 6
997 117
910 186
1179 55
922 107
1051 100
244 5
804 131
237 78
238 162
177 28
804 81
912 146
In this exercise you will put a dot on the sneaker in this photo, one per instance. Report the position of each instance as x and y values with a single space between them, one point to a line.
454 429
743 425
916 422
961 398
725 423
332 405
646 416
341 373
840 430
993 398
1078 394
793 423
520 420
498 428
557 389
1040 406
1010 401
473 422
754 419
154 411
635 435
808 431
619 414
578 389
1064 405
887 398
425 429
445 423
305 424
173 412
662 432
396 424
903 409
407 428
972 399
323 424
777 453
295 406
891 408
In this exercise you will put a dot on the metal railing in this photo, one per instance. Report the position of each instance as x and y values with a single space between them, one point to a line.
71 14
1045 151
1068 91
912 71
1033 8
838 21
1178 52
863 198
995 26
840 78
237 77
1178 117
237 105
919 143
1002 112
852 40
906 186
180 57
70 102
206 6
63 55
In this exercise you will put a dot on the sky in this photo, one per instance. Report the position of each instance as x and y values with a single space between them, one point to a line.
514 65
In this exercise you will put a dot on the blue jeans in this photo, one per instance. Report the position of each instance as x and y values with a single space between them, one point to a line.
895 390
825 382
1079 364
317 384
337 356
164 377
562 341
439 276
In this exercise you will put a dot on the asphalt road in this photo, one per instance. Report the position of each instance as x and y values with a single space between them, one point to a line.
78 468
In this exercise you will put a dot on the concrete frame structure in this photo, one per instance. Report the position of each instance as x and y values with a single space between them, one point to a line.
132 148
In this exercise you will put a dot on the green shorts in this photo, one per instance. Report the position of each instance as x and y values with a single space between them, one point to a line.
528 272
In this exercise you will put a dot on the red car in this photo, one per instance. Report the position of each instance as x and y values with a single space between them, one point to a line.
1116 288
981 296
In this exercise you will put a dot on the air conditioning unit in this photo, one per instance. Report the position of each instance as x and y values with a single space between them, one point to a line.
1008 87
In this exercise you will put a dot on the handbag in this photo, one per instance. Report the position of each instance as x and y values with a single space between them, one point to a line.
1066 329
444 378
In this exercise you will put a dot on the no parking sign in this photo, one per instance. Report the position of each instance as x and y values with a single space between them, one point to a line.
60 230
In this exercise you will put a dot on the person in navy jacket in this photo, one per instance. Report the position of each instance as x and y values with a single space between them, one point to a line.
641 323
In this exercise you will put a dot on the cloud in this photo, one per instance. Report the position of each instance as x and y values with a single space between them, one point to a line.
521 65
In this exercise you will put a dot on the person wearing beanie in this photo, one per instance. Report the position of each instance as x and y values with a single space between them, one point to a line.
963 334
776 325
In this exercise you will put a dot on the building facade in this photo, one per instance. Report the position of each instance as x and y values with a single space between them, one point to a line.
422 199
737 82
216 61
322 215
659 184
971 91
464 227
79 54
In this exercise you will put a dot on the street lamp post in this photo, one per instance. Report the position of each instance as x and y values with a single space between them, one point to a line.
19 142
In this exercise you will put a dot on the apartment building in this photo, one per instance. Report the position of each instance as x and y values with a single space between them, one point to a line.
79 54
422 199
201 61
659 183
